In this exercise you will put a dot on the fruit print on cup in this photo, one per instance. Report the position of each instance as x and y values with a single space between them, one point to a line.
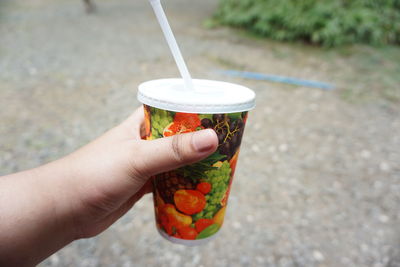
190 202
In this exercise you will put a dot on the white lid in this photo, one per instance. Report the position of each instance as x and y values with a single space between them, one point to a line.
208 97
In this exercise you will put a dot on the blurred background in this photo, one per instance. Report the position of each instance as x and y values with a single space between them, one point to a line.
318 181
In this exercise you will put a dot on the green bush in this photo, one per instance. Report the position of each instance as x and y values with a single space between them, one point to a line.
326 22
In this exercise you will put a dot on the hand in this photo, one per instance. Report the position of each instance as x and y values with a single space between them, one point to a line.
84 193
114 170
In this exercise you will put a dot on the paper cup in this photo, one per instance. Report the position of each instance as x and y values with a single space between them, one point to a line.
190 202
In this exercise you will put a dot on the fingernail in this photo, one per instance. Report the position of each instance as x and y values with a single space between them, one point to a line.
203 141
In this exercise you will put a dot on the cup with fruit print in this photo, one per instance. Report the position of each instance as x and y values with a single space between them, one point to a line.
190 202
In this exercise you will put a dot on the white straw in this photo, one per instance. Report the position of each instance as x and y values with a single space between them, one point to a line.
169 36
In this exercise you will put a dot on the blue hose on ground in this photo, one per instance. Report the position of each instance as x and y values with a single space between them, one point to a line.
279 79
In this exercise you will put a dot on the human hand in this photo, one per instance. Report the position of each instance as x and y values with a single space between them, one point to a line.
80 195
114 170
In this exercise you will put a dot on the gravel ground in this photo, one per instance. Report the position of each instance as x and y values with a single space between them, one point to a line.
318 182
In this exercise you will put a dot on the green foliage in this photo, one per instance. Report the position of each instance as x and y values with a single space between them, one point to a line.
325 22
196 170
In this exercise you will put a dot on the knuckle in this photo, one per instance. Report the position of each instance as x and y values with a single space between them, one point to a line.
140 171
138 166
140 175
178 148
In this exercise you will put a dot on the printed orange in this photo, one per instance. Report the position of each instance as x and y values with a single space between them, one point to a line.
189 201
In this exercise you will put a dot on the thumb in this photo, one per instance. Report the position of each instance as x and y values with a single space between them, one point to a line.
169 153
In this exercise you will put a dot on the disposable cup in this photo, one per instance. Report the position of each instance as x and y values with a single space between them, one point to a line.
190 202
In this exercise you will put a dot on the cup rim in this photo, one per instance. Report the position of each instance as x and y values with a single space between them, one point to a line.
232 97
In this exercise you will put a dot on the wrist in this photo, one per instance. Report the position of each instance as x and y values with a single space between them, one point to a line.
56 178
37 225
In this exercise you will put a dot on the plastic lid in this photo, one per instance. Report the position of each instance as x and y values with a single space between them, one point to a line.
209 97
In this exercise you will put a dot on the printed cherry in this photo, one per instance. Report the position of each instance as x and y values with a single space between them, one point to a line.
204 187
